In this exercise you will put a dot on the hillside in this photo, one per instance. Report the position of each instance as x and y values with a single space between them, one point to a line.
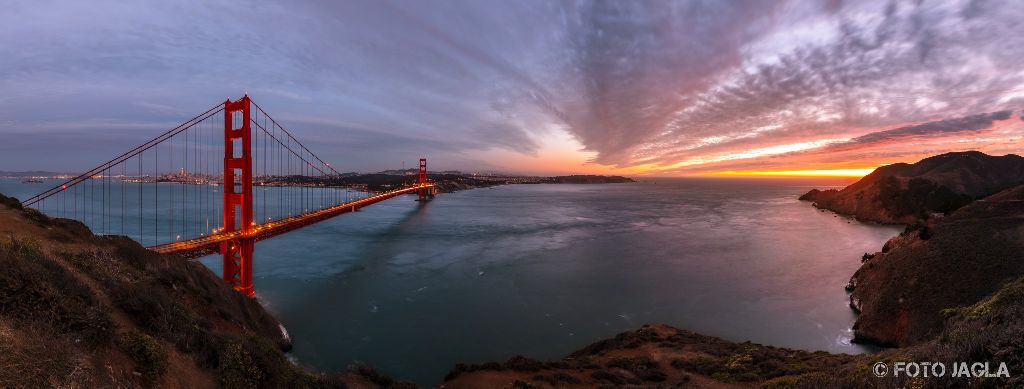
902 291
80 310
904 193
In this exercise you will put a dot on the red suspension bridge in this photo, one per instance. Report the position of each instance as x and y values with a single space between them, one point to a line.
217 183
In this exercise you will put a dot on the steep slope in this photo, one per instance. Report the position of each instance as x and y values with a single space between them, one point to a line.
80 310
904 193
902 291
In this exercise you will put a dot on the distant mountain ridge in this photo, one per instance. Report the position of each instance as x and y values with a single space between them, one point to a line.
904 193
32 173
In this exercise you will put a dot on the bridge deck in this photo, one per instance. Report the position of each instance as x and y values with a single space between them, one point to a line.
207 245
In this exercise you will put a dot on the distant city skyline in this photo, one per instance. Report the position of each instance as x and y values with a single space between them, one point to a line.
528 87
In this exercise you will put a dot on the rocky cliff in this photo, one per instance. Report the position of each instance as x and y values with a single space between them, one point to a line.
965 218
905 193
903 291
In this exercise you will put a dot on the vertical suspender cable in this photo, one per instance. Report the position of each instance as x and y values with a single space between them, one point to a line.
140 184
263 151
124 172
156 196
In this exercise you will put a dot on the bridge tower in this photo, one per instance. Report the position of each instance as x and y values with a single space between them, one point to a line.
423 180
238 197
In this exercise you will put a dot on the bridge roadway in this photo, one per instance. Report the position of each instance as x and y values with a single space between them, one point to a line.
208 245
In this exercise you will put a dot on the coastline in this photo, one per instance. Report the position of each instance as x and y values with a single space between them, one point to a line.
659 355
662 355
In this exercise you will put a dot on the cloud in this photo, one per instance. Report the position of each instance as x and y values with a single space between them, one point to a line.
861 67
875 148
656 84
972 123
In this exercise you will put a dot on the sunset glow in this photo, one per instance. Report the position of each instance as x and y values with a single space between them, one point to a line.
691 193
622 88
797 173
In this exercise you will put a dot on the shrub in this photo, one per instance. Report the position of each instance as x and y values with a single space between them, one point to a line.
699 364
10 202
35 289
920 197
237 369
33 215
147 353
521 363
606 376
557 378
642 367
520 384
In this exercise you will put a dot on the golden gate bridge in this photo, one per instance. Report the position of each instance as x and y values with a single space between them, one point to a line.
217 183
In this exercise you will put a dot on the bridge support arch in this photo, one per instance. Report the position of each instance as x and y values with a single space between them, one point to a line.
237 189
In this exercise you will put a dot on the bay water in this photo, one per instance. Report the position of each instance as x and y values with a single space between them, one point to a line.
542 270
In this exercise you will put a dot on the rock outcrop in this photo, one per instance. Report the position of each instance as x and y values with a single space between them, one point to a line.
945 263
905 193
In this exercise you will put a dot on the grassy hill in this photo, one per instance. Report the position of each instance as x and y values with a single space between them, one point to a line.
80 310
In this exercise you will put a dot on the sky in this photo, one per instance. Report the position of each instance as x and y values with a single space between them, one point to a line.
649 88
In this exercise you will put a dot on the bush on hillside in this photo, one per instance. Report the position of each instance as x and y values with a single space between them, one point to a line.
147 353
36 290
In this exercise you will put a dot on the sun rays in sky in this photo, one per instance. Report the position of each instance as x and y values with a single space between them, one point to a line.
673 88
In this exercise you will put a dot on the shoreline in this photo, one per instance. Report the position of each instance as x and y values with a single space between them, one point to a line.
655 354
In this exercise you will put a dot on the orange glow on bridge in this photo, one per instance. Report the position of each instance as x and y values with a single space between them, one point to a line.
207 245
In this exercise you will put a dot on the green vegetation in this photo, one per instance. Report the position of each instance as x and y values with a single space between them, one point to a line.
36 290
237 368
920 197
642 367
36 217
147 353
377 378
48 319
557 379
1012 293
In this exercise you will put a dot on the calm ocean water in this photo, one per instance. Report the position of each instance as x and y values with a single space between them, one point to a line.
542 270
